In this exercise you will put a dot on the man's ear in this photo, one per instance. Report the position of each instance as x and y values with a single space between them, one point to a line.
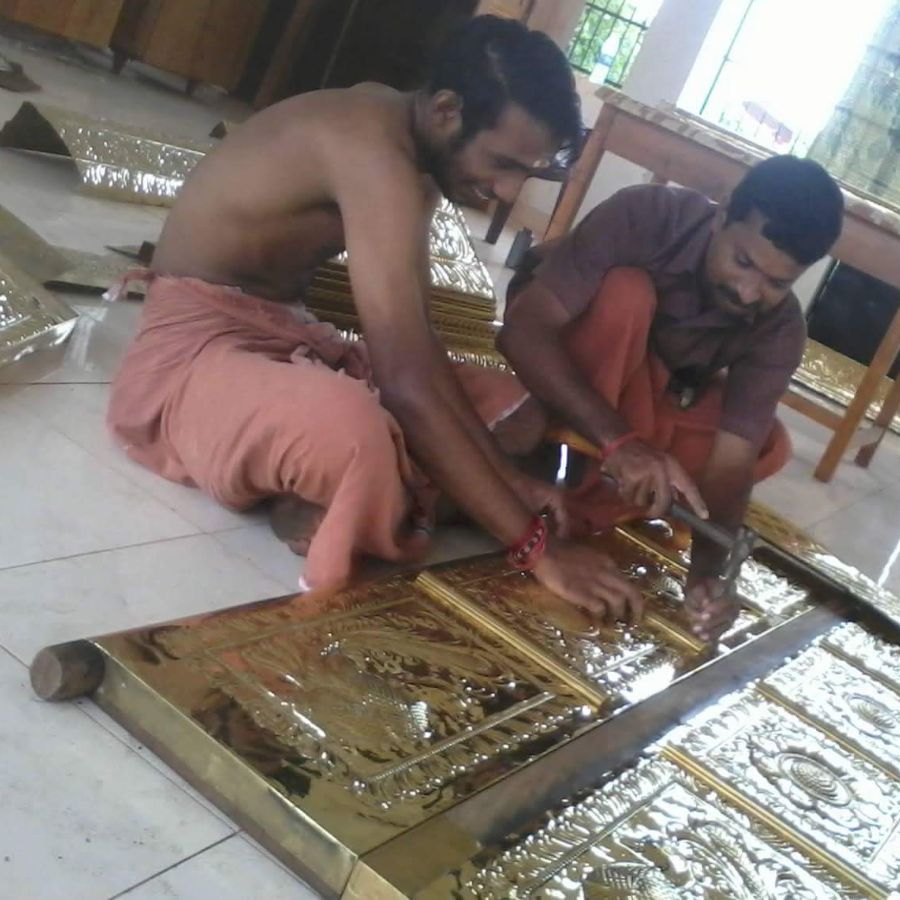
721 215
445 113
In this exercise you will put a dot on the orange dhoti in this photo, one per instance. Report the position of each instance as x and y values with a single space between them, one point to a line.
247 399
609 343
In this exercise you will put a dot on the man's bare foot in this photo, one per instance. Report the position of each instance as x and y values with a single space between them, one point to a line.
295 521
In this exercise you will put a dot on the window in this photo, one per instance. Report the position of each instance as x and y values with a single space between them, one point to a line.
783 68
624 22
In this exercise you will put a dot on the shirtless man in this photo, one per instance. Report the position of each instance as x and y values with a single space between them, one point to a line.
226 387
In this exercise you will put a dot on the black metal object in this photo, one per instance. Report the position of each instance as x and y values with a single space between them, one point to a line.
851 312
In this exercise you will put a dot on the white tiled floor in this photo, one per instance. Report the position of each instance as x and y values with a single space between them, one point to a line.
90 542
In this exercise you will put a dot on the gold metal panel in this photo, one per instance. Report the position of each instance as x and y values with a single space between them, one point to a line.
767 593
57 266
836 377
873 655
616 664
368 711
120 162
831 803
784 598
456 270
653 832
856 710
31 318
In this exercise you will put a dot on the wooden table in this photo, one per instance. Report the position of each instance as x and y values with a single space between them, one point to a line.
676 147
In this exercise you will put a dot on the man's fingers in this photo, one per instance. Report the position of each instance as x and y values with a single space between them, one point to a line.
642 492
682 482
662 493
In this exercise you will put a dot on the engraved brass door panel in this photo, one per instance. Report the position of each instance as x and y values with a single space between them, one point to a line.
369 713
852 707
654 832
832 803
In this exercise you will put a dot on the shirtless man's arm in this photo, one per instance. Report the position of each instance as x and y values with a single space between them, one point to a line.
384 206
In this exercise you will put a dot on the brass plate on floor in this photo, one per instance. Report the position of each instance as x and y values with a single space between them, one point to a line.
839 698
795 542
653 832
31 318
364 712
832 804
868 652
767 592
617 664
57 267
116 161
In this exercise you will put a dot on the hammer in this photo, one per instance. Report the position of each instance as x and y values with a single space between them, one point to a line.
739 546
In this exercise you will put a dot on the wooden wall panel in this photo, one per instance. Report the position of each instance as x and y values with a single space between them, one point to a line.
93 21
222 52
88 21
201 40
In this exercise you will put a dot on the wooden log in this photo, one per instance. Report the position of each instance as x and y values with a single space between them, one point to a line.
67 671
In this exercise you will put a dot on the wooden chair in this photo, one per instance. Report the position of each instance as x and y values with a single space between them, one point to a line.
558 171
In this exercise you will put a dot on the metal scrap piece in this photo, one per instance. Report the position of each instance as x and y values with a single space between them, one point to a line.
31 318
120 162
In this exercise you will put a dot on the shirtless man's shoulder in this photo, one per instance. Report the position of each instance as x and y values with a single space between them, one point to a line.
263 208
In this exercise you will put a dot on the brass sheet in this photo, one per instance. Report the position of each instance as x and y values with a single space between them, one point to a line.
31 318
831 803
57 266
116 161
366 711
457 274
766 591
786 593
873 655
839 698
616 664
836 377
338 728
654 832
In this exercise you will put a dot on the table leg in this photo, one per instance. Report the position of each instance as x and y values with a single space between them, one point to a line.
865 393
582 174
882 422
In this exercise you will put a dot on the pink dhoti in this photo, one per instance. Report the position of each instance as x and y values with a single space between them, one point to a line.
247 399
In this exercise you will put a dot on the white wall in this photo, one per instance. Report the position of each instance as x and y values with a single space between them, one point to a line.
659 73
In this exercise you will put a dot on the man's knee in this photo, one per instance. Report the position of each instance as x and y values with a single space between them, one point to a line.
361 428
629 292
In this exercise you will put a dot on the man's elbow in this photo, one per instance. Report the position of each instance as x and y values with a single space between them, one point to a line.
512 340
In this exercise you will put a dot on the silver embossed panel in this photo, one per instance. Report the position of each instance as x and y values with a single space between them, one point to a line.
795 773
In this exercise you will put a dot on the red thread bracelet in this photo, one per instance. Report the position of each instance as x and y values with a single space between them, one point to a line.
607 450
526 552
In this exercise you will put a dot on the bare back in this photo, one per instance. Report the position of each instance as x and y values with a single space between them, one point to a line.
259 212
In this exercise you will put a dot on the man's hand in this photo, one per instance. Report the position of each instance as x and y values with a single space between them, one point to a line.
647 477
589 579
711 610
542 498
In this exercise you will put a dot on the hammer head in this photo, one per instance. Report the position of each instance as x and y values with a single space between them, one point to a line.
744 542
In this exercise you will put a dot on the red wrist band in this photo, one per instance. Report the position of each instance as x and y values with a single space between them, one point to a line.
607 450
526 552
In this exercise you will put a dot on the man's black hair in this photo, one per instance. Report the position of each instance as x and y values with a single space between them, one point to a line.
490 62
802 204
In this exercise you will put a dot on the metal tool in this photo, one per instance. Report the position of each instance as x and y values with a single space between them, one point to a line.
739 546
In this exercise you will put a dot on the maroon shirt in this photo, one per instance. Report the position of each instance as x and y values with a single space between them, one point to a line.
666 231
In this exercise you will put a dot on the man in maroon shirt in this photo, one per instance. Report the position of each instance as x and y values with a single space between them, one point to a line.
663 329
